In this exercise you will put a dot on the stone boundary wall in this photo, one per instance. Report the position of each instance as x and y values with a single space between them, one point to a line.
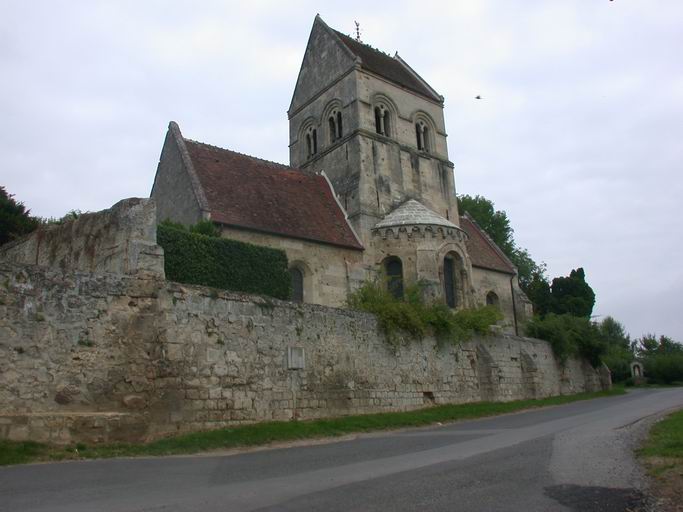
105 357
122 240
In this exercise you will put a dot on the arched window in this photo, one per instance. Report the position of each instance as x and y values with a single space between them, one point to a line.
333 128
311 142
492 299
393 268
335 125
422 136
453 279
297 284
382 120
449 281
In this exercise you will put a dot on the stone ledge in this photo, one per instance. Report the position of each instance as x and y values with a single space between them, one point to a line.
68 427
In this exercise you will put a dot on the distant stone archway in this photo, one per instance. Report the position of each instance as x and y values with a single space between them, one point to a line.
637 370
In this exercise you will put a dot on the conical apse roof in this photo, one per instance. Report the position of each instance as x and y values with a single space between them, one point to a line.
413 213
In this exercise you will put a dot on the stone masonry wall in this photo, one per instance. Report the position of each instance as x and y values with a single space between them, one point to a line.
100 357
120 240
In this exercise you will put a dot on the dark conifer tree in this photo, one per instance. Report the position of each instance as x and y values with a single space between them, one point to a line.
15 219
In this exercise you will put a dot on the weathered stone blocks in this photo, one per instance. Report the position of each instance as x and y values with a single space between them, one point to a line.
118 357
120 240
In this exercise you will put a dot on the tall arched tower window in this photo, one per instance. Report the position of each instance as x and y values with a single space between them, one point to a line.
311 142
422 135
332 128
393 268
382 120
335 125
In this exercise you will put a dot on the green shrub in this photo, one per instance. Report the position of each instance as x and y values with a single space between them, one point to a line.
203 227
417 318
618 360
619 353
58 221
194 258
207 228
569 336
168 223
478 320
664 368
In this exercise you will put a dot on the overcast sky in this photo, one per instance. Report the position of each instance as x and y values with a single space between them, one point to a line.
578 135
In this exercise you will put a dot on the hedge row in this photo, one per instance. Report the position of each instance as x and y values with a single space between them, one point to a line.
193 258
664 368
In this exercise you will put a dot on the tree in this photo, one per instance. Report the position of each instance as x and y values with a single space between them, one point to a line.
663 358
528 270
569 336
669 346
572 295
619 353
649 345
496 224
567 295
538 291
614 333
15 219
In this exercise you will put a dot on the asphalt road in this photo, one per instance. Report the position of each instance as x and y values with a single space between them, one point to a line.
574 457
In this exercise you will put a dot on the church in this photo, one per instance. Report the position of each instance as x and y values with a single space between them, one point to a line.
369 192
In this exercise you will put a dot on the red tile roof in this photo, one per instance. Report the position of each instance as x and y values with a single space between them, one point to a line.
484 253
247 192
387 66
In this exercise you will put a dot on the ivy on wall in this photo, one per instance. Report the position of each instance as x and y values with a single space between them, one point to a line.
417 318
194 258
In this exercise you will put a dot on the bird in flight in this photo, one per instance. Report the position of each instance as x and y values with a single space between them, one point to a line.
477 97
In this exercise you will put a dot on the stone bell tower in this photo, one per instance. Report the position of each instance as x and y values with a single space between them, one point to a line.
374 126
377 130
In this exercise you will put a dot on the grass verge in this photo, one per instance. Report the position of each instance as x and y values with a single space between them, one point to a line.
662 455
14 452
